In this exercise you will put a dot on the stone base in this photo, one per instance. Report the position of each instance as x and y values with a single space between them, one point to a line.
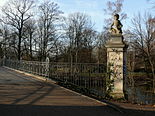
116 61
116 41
117 95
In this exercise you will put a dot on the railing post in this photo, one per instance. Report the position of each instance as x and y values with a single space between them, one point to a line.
47 67
3 61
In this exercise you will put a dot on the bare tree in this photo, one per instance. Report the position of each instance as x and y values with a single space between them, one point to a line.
16 13
30 36
113 8
101 52
4 35
49 15
8 41
143 32
79 31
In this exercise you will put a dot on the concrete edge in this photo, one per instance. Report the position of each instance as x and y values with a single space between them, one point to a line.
48 80
114 106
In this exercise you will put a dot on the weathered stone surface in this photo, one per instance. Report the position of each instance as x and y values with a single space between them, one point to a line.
116 61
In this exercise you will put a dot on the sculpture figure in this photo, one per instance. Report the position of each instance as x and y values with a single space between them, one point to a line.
116 27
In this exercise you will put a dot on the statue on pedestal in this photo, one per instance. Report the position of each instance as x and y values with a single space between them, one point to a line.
116 59
116 27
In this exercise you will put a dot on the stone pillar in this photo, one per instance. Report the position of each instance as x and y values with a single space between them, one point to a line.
116 63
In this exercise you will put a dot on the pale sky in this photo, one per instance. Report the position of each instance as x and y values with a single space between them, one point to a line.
94 8
2 2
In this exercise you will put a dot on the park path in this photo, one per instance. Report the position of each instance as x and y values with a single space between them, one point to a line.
26 95
23 95
16 88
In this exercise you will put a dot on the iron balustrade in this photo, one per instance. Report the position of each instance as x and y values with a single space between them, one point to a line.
33 67
90 76
1 62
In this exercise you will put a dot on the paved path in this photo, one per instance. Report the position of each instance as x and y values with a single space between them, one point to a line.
22 95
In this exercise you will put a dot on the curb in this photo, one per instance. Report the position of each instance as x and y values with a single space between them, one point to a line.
114 106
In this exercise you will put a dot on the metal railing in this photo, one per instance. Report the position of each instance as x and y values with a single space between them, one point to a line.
1 62
140 88
33 67
141 96
88 76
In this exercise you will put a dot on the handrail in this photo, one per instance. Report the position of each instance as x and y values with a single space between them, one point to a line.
90 76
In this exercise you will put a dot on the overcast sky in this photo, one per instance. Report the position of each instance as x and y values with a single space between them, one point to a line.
94 8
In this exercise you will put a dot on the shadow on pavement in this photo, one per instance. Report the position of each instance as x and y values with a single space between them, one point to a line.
21 89
33 110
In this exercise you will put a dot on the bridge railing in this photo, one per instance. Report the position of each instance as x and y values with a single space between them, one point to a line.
33 67
89 77
1 62
85 76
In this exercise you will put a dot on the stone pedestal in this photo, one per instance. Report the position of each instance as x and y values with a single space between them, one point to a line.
116 63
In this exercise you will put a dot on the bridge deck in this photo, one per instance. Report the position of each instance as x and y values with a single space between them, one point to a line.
23 95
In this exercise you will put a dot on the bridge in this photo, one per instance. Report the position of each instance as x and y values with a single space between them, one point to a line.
23 94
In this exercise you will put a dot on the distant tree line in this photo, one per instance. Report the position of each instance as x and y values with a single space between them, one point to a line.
31 31
34 31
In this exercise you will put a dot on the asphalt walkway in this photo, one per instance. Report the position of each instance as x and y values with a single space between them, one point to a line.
22 95
25 95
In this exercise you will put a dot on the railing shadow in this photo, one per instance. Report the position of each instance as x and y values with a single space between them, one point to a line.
34 110
23 88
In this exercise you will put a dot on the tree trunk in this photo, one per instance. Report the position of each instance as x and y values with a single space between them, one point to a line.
31 46
19 45
153 74
76 56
